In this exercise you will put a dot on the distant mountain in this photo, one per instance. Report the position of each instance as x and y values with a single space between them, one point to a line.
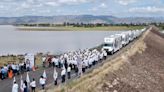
77 19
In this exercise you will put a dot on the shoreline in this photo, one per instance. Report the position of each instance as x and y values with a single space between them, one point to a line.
10 58
109 28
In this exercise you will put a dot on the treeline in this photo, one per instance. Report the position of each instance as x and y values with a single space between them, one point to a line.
160 25
90 24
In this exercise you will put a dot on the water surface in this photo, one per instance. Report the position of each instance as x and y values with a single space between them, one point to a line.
13 41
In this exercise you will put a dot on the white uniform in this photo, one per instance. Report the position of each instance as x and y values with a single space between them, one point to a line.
42 81
63 72
15 87
33 84
69 69
55 75
43 59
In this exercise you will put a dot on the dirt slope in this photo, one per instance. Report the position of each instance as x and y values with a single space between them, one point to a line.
139 69
144 71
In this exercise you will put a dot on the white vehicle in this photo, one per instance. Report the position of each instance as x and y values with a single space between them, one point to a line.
111 44
130 36
119 39
124 38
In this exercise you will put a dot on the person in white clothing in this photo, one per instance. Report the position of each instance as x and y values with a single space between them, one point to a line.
105 54
15 87
33 85
55 76
42 82
63 72
69 72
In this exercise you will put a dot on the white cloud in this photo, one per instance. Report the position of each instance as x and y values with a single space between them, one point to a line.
25 5
149 9
52 3
126 2
72 1
2 7
103 5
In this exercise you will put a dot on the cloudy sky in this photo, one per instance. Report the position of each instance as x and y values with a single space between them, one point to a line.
119 8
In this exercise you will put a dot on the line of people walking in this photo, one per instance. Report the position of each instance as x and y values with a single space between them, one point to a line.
69 63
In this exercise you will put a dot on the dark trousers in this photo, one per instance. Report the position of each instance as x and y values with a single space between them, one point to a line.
90 66
32 89
43 86
2 76
69 75
55 82
104 57
53 63
83 69
63 78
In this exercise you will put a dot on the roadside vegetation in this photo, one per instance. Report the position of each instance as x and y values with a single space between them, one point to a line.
19 59
79 27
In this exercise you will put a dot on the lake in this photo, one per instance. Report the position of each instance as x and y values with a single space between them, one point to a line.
13 41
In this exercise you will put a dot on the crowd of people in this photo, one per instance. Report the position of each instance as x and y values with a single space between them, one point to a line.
76 62
12 69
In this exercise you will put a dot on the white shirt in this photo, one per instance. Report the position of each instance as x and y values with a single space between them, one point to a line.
90 61
33 84
63 72
15 88
43 59
55 75
69 69
56 61
42 81
13 67
24 86
105 54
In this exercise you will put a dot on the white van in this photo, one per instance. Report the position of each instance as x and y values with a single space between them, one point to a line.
124 38
119 40
111 44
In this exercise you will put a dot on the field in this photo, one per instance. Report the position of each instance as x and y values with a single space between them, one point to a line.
70 28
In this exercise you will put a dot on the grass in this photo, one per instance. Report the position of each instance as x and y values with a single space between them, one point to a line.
18 59
70 28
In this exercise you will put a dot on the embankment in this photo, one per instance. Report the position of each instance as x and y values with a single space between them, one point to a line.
139 69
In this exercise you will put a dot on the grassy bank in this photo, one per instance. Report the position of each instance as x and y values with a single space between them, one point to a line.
70 28
18 59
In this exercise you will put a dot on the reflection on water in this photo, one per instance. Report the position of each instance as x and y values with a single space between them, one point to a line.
13 41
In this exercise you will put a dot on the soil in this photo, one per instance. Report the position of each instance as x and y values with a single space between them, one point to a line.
144 72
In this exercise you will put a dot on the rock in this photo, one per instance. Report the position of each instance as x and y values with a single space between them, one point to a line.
115 82
115 91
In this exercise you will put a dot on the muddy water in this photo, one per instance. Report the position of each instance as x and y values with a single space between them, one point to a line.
13 41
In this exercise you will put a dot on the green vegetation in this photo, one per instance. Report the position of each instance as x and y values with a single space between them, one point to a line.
66 26
71 28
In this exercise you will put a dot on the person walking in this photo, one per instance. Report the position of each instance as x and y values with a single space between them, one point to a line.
25 86
63 72
33 85
69 72
42 81
55 76
15 87
10 73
